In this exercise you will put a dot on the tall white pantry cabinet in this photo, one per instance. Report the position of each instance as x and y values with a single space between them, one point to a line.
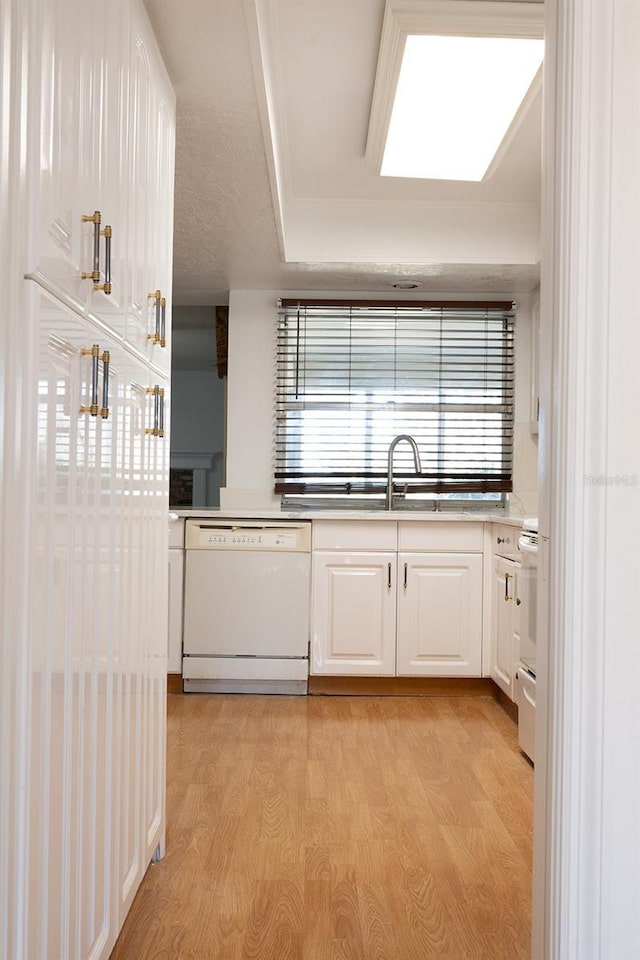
86 180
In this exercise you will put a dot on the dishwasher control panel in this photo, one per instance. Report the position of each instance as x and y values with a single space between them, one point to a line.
202 535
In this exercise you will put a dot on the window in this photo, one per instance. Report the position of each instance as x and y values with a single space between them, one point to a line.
351 377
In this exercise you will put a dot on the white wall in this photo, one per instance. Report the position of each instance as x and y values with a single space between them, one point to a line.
524 498
197 402
197 427
331 232
251 400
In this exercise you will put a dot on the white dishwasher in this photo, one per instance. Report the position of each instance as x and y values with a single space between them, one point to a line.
246 606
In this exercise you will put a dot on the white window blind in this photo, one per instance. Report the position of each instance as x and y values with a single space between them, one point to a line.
351 377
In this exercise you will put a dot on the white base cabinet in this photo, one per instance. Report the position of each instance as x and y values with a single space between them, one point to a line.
382 612
354 614
439 615
505 630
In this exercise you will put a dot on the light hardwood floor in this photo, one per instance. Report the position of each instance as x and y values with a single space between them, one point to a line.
339 828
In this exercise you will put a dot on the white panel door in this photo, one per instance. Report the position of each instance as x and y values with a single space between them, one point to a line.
141 311
154 494
504 614
70 642
81 155
152 134
96 518
129 863
108 167
60 246
353 613
439 614
18 425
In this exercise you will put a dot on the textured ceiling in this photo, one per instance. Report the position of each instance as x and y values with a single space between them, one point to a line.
225 228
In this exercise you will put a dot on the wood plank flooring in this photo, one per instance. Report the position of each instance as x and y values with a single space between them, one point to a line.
339 828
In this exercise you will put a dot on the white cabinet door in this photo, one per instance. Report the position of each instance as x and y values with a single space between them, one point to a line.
74 588
141 676
159 186
504 614
151 139
154 491
439 614
129 862
353 613
81 105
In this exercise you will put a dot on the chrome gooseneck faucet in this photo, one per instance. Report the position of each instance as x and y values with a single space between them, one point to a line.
416 461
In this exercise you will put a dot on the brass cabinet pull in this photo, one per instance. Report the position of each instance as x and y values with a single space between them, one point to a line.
92 407
151 431
404 582
389 576
163 322
160 412
157 430
157 296
507 577
159 334
96 219
107 233
106 362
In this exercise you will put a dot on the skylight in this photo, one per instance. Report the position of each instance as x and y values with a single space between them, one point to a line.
455 100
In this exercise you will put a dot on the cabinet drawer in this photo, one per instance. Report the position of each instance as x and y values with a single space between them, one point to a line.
455 536
355 534
504 540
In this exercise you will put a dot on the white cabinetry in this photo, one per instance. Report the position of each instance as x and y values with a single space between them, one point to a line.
505 626
379 612
354 613
439 614
104 144
84 480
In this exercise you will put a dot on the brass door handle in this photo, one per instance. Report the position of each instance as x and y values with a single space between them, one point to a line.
160 412
157 296
159 334
106 361
96 219
507 577
163 322
157 430
92 407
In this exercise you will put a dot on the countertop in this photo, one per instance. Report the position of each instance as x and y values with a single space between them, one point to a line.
410 516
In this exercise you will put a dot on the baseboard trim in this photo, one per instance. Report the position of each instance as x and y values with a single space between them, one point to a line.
402 687
509 707
394 687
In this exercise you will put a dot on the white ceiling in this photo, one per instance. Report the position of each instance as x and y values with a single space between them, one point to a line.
273 105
